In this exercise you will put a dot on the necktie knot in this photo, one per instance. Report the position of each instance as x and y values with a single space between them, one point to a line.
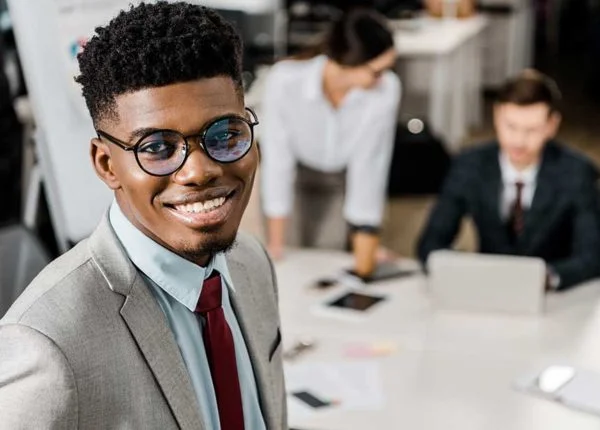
519 186
210 296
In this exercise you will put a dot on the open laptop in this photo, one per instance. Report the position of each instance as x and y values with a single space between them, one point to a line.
487 283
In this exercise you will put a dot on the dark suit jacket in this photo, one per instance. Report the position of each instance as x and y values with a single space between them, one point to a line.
562 226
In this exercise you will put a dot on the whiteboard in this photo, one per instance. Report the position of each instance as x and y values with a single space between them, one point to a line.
48 34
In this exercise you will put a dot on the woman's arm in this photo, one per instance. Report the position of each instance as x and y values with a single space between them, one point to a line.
367 177
278 166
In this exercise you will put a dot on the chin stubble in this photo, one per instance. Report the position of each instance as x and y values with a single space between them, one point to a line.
210 247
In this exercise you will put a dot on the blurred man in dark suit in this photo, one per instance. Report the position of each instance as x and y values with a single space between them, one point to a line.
526 193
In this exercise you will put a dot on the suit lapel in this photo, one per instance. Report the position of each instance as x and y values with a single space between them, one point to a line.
491 195
148 326
491 188
544 200
245 304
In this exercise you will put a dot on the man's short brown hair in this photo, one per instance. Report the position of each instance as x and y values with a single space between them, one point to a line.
530 87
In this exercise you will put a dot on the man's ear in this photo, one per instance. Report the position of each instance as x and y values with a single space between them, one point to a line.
555 120
103 163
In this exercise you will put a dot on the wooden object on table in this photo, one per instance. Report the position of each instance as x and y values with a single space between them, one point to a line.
462 8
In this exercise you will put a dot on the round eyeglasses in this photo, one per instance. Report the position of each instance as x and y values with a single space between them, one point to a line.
226 139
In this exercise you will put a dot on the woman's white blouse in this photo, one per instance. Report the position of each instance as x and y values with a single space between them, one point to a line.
299 125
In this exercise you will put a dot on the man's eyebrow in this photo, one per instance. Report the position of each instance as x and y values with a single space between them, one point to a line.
138 133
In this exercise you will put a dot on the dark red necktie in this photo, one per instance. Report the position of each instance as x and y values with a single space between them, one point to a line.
518 216
220 351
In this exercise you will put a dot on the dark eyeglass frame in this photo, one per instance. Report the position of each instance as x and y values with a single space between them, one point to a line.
125 146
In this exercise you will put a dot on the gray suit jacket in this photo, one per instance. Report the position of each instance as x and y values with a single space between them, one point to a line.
86 345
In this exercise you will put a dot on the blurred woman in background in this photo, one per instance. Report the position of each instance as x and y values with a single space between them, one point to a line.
329 125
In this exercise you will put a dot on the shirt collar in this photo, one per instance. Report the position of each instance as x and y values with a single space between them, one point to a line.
179 277
313 84
511 175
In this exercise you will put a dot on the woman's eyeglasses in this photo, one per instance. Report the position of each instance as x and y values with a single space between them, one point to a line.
162 152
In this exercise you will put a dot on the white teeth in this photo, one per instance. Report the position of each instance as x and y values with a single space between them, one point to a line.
199 207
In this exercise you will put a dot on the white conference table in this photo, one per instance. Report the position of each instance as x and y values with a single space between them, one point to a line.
443 58
450 370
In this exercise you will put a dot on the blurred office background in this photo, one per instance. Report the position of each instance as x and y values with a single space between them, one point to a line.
453 55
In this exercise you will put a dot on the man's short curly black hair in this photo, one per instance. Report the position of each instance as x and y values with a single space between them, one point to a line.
152 45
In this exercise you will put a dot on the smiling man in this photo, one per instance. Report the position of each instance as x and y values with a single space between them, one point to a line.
149 323
526 193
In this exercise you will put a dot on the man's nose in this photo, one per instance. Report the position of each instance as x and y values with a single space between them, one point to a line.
520 138
198 169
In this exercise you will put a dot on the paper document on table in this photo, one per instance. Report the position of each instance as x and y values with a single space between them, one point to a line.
353 385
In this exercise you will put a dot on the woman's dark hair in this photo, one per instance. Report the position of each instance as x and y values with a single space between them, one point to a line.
357 37
156 44
528 88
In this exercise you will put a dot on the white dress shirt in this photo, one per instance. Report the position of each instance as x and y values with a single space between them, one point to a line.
301 126
510 177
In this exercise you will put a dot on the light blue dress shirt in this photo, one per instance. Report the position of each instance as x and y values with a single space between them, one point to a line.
176 283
